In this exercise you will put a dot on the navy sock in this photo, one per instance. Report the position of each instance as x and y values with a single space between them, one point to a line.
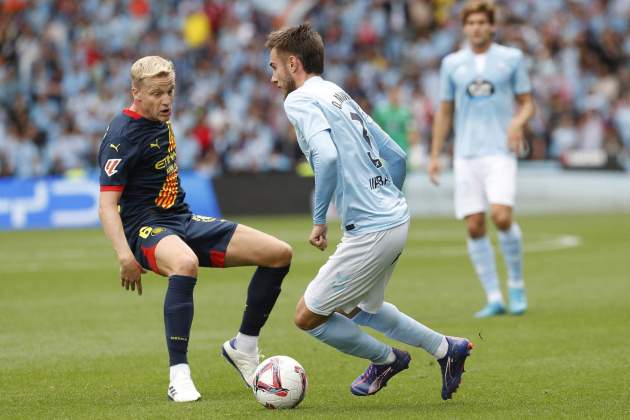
262 294
178 316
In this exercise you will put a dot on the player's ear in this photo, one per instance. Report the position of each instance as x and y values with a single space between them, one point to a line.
293 63
135 92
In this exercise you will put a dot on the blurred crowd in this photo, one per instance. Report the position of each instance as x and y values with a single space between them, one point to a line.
64 74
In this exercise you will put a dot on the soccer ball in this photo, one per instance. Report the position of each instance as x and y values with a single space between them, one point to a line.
280 382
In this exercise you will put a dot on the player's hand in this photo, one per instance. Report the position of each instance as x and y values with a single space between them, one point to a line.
516 139
130 274
318 237
434 171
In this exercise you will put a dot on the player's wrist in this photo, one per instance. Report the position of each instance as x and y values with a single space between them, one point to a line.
125 256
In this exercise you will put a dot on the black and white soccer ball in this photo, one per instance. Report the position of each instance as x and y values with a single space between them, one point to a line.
280 382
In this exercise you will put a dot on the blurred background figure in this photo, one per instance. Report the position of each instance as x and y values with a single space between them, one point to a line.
62 60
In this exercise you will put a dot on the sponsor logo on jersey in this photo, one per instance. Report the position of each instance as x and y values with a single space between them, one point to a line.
378 181
155 145
164 162
480 89
114 146
110 166
157 231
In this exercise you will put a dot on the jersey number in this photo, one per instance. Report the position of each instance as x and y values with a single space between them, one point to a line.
375 161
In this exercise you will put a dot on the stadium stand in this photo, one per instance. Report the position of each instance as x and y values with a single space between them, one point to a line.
64 72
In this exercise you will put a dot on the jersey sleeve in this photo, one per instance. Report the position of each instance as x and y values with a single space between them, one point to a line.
117 157
520 80
305 115
324 161
447 88
389 150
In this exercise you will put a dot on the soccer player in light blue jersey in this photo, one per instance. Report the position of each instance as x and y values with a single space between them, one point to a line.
362 169
479 84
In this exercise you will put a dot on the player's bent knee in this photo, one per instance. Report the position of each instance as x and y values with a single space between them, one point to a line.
305 319
282 255
304 322
187 265
285 255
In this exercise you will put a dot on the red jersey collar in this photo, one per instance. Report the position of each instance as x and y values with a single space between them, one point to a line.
133 114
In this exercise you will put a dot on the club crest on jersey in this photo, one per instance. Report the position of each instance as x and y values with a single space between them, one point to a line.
480 89
110 166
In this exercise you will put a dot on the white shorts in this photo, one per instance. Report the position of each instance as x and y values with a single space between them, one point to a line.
357 273
483 180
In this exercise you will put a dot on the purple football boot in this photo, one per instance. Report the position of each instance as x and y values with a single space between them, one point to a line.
376 376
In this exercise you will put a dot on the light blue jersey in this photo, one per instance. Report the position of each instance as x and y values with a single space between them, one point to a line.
354 160
483 88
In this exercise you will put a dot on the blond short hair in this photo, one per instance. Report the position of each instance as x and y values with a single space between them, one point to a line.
150 66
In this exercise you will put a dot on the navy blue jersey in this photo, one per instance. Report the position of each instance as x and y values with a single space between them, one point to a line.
137 157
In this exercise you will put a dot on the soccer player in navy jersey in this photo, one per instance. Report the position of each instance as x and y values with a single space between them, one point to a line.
144 214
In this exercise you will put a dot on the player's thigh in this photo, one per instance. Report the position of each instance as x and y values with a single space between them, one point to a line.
353 271
250 246
375 297
161 250
470 196
500 180
209 239
174 257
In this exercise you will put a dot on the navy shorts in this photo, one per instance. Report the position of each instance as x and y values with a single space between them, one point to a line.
207 236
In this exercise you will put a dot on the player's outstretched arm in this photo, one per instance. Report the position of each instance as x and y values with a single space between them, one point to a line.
130 269
441 128
323 157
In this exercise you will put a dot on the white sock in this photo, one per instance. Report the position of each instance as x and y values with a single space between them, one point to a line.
179 370
247 343
391 358
442 349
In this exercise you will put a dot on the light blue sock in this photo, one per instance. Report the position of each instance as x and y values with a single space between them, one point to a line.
401 327
511 242
482 257
346 336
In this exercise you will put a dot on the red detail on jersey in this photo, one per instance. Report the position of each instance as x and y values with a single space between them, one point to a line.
110 166
217 259
132 114
112 187
149 254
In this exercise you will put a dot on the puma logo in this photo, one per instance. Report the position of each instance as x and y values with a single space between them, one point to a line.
114 146
156 144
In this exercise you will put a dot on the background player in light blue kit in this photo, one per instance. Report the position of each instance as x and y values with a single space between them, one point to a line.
479 84
359 165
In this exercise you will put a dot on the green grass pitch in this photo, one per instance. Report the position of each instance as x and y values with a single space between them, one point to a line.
74 344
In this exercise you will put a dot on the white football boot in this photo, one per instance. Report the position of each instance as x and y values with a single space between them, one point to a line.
244 363
181 388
